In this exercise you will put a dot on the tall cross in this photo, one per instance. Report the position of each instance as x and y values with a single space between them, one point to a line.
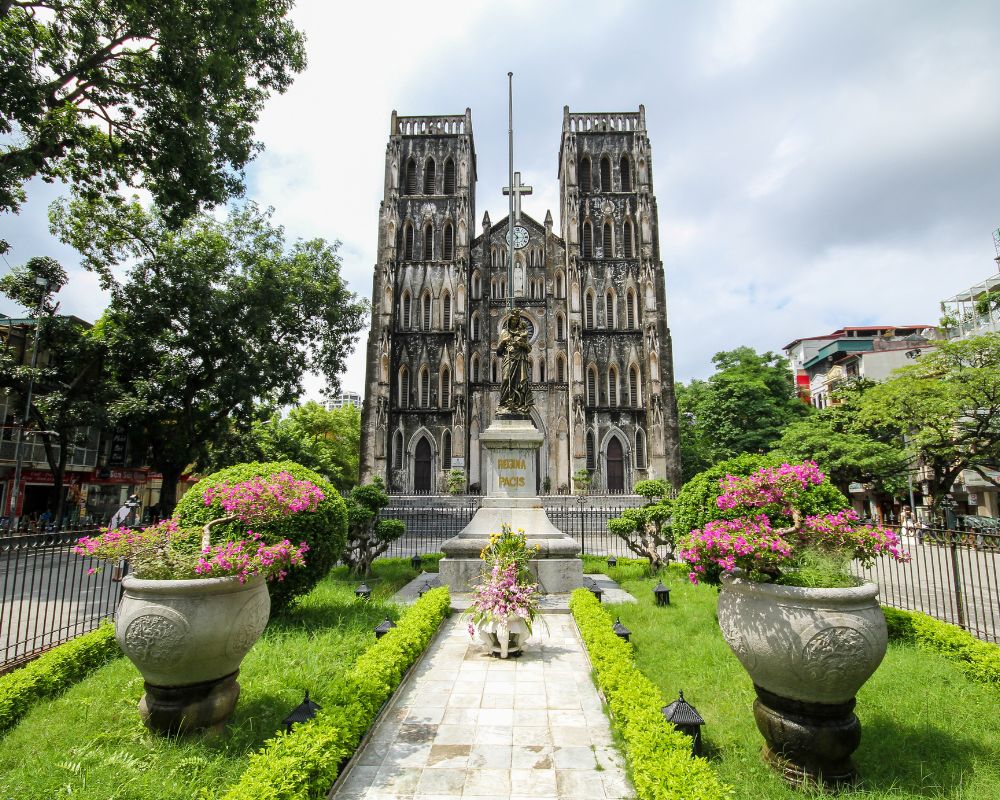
518 190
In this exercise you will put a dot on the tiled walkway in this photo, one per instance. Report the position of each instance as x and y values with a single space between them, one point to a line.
468 725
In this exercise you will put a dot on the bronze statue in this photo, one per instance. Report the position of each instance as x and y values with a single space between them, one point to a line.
514 349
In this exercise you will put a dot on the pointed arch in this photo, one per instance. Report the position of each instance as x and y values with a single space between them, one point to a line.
429 176
606 174
397 450
493 369
475 327
423 463
428 243
541 369
494 257
444 391
446 310
477 285
425 387
610 309
586 179
560 327
404 386
408 241
612 385
425 310
560 369
631 321
446 450
634 387
625 170
410 181
591 455
560 284
587 240
640 449
628 239
474 368
449 176
614 462
592 386
448 242
607 240
405 307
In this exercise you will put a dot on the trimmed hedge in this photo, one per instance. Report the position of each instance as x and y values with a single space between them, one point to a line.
325 530
53 672
305 763
979 660
659 756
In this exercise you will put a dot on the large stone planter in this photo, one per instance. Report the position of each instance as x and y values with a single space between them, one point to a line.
503 639
188 638
808 652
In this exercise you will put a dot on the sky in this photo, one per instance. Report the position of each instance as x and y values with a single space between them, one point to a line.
816 164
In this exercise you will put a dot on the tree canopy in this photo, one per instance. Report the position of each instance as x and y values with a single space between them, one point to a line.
214 318
163 95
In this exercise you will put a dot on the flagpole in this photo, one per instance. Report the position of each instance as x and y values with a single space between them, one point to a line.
510 216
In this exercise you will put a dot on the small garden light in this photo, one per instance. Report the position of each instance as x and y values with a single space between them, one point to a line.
384 627
303 712
416 562
687 720
595 589
662 594
612 561
363 592
425 588
620 630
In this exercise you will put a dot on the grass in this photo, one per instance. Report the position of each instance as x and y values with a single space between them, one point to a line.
89 742
927 730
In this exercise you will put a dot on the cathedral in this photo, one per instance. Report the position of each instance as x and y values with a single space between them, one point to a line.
592 292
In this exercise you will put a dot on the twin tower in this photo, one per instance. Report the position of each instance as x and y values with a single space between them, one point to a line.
592 293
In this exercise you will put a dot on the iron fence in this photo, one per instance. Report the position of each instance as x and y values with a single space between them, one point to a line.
48 594
951 575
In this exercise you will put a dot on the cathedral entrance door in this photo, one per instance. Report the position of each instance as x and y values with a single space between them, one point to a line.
422 466
616 467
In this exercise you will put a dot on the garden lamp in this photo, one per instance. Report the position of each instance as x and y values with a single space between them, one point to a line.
425 588
687 720
303 712
384 627
612 561
662 594
363 592
620 630
416 562
595 589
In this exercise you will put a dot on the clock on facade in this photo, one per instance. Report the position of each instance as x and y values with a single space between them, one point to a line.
520 237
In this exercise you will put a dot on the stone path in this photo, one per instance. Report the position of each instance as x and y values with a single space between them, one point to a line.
613 593
465 724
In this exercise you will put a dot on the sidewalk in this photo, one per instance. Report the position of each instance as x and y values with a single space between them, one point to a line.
468 725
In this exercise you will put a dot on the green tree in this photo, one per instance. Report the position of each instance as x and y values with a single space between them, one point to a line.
215 317
696 443
368 537
947 406
164 95
645 530
70 387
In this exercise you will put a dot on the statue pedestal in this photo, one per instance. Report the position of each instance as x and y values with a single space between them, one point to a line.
511 444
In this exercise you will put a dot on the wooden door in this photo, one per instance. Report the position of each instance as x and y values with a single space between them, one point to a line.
422 466
616 467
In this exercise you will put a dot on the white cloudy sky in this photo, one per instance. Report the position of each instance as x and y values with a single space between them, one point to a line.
816 164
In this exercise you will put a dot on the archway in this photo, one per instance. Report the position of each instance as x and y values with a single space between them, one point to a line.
616 467
422 466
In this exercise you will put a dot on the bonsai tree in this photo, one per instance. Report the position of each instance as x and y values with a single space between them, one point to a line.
645 530
456 481
581 481
368 537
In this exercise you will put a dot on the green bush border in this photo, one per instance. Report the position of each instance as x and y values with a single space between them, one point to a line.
54 672
305 763
978 659
659 756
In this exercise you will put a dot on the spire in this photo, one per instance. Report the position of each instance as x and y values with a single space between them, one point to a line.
548 221
486 221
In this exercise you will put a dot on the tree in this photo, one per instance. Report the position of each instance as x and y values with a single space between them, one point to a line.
215 317
162 95
742 408
70 388
368 537
695 441
947 406
645 530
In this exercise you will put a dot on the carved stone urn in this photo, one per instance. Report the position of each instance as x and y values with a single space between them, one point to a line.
505 638
188 638
808 652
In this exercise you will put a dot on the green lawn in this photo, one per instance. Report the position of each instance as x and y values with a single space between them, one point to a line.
927 730
90 743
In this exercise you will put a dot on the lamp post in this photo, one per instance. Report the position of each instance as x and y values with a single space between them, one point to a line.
15 491
363 592
662 594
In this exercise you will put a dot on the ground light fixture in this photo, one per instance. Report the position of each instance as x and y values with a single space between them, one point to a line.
612 561
303 712
424 589
686 719
620 630
384 627
416 562
591 585
363 592
662 594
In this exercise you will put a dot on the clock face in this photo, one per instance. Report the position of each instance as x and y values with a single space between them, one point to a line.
520 237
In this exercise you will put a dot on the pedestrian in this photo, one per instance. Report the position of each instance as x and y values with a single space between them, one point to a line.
122 514
907 524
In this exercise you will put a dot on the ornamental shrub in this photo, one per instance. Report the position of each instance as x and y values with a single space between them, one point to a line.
324 531
54 672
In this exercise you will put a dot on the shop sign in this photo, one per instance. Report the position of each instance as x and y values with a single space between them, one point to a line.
119 447
108 475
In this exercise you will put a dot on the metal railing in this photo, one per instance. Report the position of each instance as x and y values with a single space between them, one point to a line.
952 575
48 594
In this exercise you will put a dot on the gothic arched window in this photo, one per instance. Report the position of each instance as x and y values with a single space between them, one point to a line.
449 176
628 239
493 370
475 327
560 370
446 450
609 310
630 319
633 387
586 183
404 387
407 242
445 387
426 311
410 182
425 387
591 461
494 257
397 450
560 287
608 242
541 370
640 449
404 308
587 240
606 174
612 386
475 368
625 168
592 386
560 328
477 286
448 247
429 176
446 311
428 242
588 320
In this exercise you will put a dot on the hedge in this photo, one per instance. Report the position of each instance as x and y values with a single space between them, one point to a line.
325 530
304 763
659 756
979 660
53 672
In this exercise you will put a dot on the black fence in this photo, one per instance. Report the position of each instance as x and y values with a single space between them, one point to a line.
952 575
48 594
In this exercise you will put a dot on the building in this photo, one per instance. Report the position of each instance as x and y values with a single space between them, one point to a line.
593 294
345 398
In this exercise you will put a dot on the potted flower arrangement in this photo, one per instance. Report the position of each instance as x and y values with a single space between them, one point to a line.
506 601
192 609
808 633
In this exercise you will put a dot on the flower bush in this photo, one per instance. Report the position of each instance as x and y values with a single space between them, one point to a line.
507 589
166 551
772 539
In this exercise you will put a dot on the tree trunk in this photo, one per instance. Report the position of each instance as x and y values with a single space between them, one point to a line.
168 493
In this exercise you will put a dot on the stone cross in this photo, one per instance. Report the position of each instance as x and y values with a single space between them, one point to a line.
518 189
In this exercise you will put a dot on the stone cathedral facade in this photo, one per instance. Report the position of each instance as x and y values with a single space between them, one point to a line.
593 294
